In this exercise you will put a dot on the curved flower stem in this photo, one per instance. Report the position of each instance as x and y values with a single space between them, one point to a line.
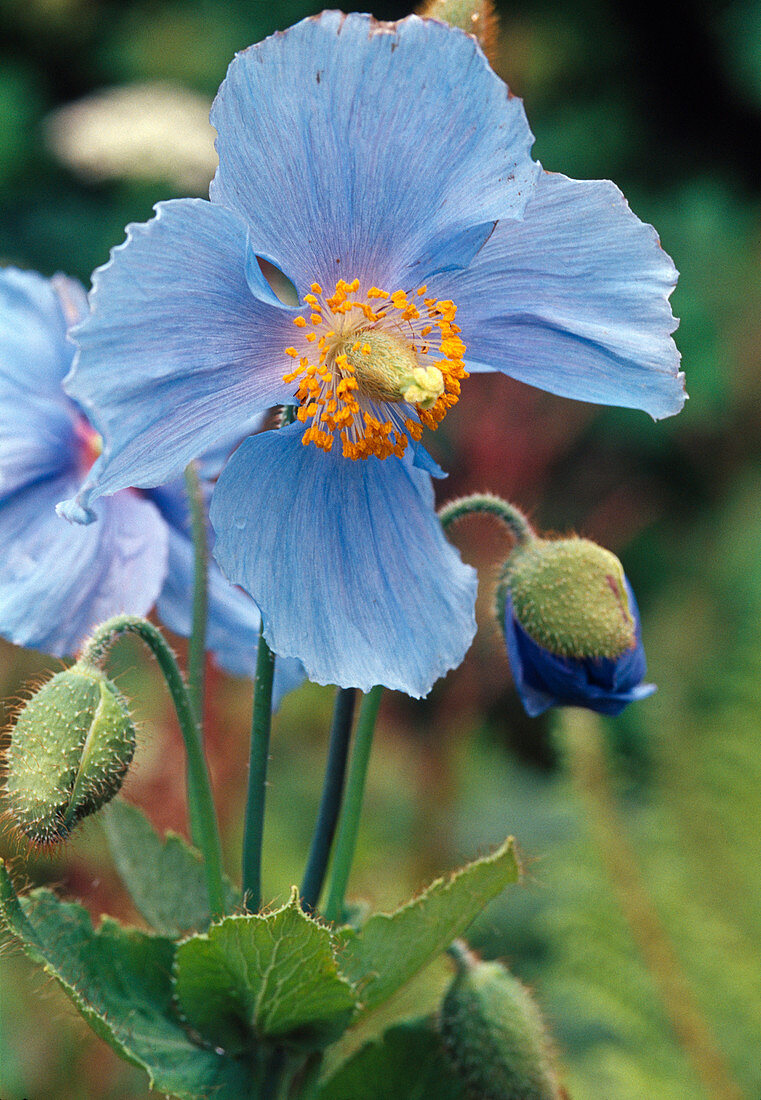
355 788
197 643
330 803
581 742
201 811
488 504
253 830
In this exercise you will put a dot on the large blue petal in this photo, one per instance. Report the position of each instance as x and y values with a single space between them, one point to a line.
177 353
347 561
354 148
37 438
58 581
574 299
232 630
211 463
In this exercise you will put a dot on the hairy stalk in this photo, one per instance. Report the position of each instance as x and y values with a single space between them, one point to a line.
201 811
581 741
480 504
253 832
346 841
330 803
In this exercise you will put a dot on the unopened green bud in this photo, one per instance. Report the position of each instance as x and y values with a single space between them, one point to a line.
477 17
571 597
494 1035
70 750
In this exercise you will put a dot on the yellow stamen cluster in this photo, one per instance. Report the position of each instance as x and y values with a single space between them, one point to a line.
385 363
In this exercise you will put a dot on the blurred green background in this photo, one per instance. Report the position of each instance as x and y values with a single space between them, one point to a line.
665 100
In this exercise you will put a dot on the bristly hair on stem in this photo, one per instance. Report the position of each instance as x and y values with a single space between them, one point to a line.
201 807
487 504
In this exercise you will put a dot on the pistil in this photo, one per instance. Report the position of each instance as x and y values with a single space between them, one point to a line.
373 368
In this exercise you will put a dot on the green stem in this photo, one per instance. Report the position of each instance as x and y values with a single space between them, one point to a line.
488 504
581 741
273 1074
346 841
197 643
287 415
330 803
203 818
253 831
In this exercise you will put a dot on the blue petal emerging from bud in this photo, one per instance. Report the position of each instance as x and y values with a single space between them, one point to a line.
544 679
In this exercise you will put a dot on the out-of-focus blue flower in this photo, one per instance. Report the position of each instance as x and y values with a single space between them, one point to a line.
386 170
58 581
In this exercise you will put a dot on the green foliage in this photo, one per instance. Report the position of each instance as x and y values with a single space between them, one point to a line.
407 1061
255 978
566 936
419 998
165 878
692 807
205 1015
391 948
120 981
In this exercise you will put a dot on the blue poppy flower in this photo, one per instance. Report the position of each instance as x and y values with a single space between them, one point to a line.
544 679
58 581
386 170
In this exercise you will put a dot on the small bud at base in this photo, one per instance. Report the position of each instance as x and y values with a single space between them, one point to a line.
494 1035
70 749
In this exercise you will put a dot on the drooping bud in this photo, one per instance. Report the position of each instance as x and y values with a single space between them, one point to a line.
70 750
494 1035
571 627
477 17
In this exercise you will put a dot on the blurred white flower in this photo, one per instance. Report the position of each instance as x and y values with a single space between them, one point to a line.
141 131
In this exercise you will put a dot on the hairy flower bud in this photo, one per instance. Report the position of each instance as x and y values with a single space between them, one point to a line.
571 627
494 1035
70 750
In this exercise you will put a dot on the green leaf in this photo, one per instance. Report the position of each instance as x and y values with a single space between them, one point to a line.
165 878
120 981
408 1061
264 977
420 997
392 947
